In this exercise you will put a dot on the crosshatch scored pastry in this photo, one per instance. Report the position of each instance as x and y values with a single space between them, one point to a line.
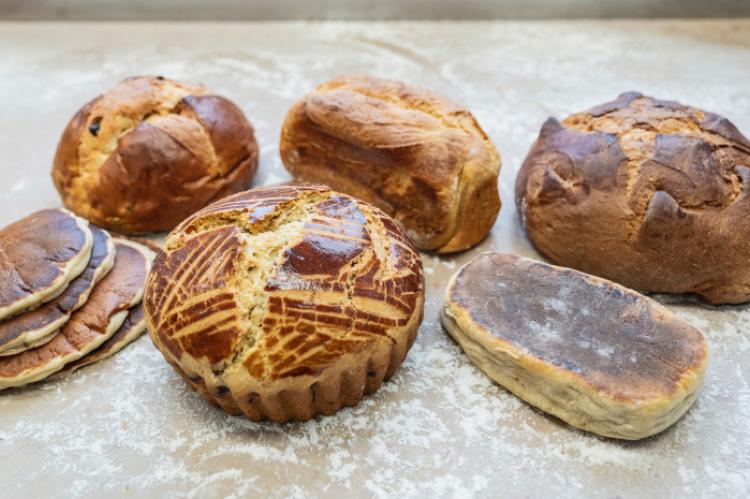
285 302
652 194
151 151
593 353
39 255
35 327
90 326
418 156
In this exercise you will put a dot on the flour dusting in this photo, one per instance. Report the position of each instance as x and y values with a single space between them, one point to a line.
130 426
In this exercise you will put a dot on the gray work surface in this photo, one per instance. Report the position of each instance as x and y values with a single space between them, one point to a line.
129 426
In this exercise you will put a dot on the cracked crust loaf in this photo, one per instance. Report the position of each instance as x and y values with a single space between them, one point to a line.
35 327
285 302
418 156
39 255
595 354
89 326
151 151
652 194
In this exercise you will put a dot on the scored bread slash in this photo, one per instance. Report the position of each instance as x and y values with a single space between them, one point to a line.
649 193
90 326
36 327
149 152
39 255
595 354
129 331
285 302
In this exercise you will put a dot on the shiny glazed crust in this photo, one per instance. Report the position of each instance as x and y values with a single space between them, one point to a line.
418 156
597 355
646 193
149 152
285 302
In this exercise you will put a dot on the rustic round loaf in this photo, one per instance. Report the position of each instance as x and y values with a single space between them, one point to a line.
652 194
418 156
285 302
151 151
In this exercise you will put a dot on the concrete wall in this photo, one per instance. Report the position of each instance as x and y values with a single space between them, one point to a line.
365 9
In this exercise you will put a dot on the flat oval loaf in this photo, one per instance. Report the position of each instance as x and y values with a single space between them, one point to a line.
593 353
419 157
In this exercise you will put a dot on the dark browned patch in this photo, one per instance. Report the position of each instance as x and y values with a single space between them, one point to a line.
616 339
115 293
33 252
57 308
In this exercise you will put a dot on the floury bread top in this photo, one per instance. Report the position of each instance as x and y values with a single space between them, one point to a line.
591 352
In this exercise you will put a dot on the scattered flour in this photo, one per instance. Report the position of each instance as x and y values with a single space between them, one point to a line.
130 426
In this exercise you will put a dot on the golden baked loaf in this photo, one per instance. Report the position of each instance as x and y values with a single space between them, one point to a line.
652 194
418 156
593 353
151 151
285 302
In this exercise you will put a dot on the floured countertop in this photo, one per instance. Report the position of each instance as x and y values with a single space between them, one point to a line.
130 426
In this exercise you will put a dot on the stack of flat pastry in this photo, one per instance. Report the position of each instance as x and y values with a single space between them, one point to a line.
70 295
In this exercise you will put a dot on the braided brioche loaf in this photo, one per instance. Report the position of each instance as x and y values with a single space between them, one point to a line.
652 194
149 152
285 302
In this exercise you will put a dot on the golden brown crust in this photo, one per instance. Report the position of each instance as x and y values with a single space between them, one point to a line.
24 329
637 362
149 152
418 156
643 192
39 255
272 300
